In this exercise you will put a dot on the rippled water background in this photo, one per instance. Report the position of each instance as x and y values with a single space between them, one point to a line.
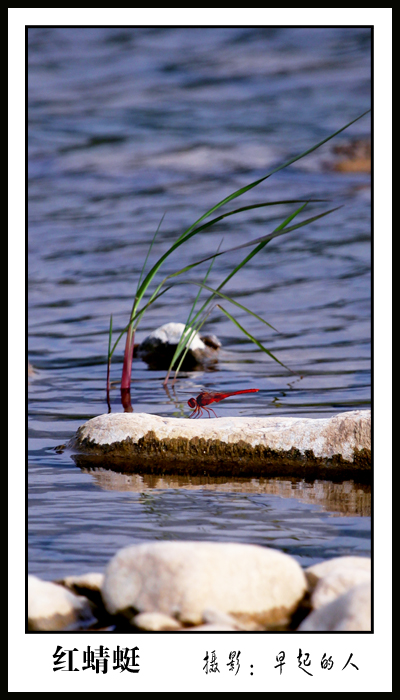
126 125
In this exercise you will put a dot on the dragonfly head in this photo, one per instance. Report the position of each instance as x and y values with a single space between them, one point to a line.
192 403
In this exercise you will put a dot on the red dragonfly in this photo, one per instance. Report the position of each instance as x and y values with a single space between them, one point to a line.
206 397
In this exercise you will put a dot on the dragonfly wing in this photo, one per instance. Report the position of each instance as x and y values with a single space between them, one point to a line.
207 397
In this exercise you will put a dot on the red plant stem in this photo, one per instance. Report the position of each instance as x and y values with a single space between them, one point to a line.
126 400
108 381
165 382
128 357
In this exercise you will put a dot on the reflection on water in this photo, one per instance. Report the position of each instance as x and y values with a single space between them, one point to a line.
346 498
126 125
78 519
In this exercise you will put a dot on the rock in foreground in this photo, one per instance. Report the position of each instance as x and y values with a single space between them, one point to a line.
184 579
351 612
201 586
52 607
331 579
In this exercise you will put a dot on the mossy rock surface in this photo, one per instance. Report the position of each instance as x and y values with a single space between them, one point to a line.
322 447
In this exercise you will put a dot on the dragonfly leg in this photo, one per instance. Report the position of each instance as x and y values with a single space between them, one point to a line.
208 409
198 411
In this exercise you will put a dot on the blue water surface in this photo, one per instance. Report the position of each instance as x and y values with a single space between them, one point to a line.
127 126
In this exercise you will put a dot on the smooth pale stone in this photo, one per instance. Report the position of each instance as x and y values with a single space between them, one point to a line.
216 617
158 348
336 583
343 436
88 585
244 624
170 334
53 607
154 621
91 581
351 612
315 573
210 628
183 579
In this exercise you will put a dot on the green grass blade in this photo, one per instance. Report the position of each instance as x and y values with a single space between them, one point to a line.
185 340
262 240
242 190
279 228
198 295
110 339
216 292
247 208
137 317
141 291
261 245
254 340
277 232
190 231
148 253
189 267
196 330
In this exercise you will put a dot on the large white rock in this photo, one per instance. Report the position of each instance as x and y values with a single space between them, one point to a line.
351 612
88 585
92 581
184 579
330 579
335 584
210 628
317 572
52 607
256 441
155 621
218 618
